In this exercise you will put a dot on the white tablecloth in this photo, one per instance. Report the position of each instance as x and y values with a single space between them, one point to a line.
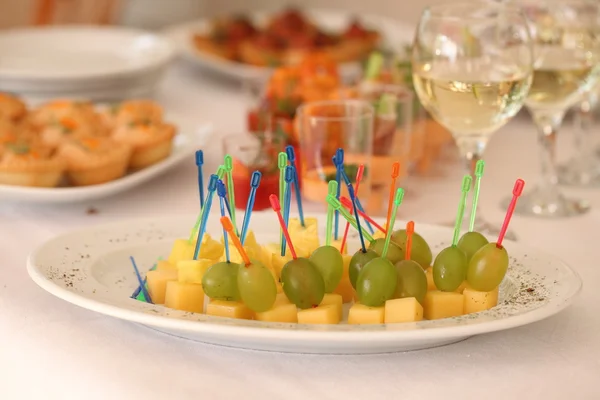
50 349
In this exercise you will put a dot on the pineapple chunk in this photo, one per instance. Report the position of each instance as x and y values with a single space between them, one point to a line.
210 248
442 305
476 301
157 284
281 298
344 288
163 265
182 250
319 315
305 238
430 282
403 310
361 314
462 287
279 313
333 299
278 262
338 245
378 234
184 296
229 309
192 271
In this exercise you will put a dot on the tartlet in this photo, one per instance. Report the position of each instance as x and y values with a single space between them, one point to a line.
25 164
131 111
150 142
11 108
90 161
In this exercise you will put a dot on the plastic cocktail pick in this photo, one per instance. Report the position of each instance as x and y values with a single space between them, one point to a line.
289 177
230 189
228 226
346 202
141 281
395 173
254 184
292 159
360 236
212 187
466 186
335 203
346 180
220 174
221 187
388 236
332 191
479 167
137 291
222 192
221 171
410 229
282 162
338 161
517 190
199 164
277 208
359 175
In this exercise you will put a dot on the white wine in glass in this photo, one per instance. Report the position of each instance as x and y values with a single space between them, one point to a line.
472 70
566 48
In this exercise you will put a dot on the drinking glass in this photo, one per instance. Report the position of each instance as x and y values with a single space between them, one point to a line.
472 69
565 36
325 126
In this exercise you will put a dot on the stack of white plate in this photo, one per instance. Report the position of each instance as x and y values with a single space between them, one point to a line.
94 63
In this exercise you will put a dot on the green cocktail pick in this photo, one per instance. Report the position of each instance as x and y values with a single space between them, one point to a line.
388 236
466 186
282 162
331 191
335 203
230 192
479 167
220 173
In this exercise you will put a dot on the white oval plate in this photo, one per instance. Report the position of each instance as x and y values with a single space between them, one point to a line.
184 147
91 268
79 53
394 35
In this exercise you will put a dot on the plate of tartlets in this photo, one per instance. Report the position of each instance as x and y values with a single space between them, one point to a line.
249 46
68 151
91 268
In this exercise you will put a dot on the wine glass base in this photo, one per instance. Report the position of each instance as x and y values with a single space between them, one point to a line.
534 204
573 175
486 229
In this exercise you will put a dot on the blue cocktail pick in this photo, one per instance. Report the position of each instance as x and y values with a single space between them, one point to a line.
353 199
254 184
199 164
292 159
141 281
289 178
222 193
358 205
212 187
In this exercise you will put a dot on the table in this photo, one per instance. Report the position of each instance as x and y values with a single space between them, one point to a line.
50 349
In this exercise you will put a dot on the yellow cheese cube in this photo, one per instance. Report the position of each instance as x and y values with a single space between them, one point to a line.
476 301
281 298
462 287
182 250
344 288
192 271
319 315
333 299
229 309
157 284
361 314
279 313
442 304
163 265
403 310
184 296
430 282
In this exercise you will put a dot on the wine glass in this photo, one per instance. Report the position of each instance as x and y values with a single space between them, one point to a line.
565 36
472 69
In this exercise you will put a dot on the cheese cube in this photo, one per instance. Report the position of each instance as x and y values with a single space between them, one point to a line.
229 309
344 288
192 271
476 301
462 287
407 309
281 298
442 305
184 296
319 315
182 250
361 314
157 284
279 313
163 265
333 299
430 282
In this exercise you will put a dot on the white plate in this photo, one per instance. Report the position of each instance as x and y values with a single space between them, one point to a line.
90 268
184 147
69 53
394 35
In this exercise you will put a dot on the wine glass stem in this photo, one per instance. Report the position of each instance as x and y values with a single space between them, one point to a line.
548 125
584 158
